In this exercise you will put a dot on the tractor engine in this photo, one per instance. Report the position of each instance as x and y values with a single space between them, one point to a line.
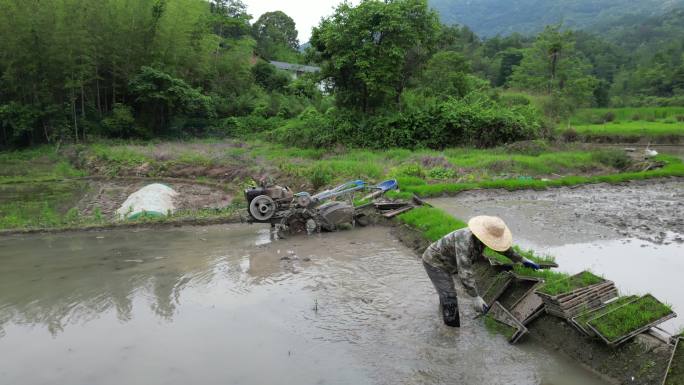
265 202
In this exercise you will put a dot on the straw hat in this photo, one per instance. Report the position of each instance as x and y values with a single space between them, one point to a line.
492 231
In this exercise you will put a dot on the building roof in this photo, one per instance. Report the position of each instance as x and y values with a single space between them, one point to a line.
294 67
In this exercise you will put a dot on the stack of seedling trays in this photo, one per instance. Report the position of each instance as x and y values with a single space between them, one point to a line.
675 369
502 321
630 319
571 296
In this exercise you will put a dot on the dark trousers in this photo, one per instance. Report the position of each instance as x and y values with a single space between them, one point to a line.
448 300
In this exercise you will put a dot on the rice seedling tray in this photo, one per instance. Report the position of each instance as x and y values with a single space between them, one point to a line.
580 321
576 294
498 285
528 306
500 314
630 319
674 375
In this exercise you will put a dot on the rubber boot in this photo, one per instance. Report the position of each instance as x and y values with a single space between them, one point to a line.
444 285
450 312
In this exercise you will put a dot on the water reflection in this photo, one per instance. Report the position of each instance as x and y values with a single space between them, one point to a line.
60 279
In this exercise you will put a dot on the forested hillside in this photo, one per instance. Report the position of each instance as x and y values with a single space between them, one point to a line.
492 17
391 74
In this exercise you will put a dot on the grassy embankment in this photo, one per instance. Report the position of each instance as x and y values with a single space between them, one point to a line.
31 197
655 124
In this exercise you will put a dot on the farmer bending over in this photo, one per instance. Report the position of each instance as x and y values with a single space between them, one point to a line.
456 252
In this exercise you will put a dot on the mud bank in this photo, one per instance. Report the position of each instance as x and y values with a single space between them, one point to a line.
650 210
219 304
641 361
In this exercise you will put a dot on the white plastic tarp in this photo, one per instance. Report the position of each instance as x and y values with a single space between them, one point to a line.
155 200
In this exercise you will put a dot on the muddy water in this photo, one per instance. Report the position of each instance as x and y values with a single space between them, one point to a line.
633 234
224 305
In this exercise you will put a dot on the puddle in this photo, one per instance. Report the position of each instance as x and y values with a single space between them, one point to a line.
574 226
222 304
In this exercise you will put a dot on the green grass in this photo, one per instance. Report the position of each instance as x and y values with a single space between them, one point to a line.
630 317
673 167
431 222
638 128
597 115
569 284
38 164
39 205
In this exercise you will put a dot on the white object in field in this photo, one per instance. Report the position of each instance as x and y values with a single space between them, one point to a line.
154 200
648 153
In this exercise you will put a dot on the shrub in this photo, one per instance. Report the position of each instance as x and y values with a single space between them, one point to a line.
410 169
613 158
309 129
680 118
120 123
608 116
528 147
320 175
570 135
441 173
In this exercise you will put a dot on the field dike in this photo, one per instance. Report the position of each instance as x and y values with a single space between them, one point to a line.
642 360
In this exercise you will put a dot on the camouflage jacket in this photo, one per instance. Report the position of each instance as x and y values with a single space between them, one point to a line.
456 252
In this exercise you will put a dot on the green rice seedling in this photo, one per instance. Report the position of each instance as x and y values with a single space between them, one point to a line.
630 317
529 254
578 281
584 317
497 327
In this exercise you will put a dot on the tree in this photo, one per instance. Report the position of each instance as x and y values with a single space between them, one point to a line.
446 74
276 36
552 66
230 18
371 51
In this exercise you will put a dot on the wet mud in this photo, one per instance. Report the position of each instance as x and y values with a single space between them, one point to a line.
650 210
224 304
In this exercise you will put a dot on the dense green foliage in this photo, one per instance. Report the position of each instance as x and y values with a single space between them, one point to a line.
501 17
75 71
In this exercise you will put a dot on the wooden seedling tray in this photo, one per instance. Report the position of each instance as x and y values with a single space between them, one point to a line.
591 314
569 304
527 306
499 313
674 377
497 287
627 336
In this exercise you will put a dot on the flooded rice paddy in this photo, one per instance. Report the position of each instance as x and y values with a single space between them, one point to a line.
632 234
225 305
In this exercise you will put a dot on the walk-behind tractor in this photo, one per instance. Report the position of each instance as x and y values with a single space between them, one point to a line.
291 213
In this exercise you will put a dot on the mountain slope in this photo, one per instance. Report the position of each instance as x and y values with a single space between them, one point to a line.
492 17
